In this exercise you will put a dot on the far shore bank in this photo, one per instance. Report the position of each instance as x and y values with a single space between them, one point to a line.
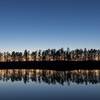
51 65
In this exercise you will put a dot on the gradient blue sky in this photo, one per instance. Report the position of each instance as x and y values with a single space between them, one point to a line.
49 24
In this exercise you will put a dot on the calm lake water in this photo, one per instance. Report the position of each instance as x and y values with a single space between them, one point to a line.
49 85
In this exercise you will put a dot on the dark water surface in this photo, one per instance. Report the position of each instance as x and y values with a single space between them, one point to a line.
30 84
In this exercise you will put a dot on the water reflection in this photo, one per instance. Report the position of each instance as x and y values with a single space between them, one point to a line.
50 76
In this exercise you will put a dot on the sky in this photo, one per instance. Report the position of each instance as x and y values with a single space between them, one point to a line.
43 24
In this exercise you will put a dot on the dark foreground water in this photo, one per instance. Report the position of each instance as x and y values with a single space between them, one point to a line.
49 85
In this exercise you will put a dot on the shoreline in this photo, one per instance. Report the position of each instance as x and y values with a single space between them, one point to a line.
51 65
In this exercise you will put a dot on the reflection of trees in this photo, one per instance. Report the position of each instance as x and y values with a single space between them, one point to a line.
51 77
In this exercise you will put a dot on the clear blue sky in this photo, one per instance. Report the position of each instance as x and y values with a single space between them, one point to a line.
49 24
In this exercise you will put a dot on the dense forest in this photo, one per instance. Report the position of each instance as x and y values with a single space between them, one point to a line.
52 55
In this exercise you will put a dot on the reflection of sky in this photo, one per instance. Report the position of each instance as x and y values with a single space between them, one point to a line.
18 90
49 24
31 91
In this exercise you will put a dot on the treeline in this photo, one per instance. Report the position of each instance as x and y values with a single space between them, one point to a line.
52 55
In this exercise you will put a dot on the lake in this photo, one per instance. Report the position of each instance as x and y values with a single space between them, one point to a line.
31 84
